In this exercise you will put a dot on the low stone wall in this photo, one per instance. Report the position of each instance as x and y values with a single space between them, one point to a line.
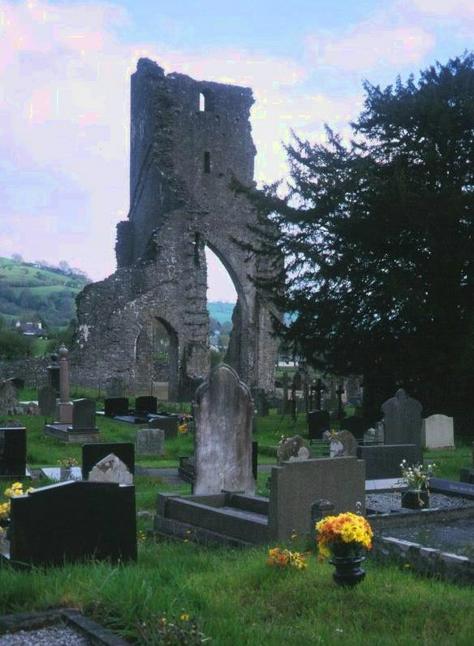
32 370
424 560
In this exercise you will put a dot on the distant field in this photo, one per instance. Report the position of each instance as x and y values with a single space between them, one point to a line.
29 292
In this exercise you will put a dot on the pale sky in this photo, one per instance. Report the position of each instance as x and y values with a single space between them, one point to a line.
65 70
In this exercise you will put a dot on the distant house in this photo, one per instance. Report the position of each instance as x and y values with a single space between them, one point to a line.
30 328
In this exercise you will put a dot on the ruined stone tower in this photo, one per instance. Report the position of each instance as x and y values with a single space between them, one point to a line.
149 320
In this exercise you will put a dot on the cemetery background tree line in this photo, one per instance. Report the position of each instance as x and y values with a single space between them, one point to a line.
378 240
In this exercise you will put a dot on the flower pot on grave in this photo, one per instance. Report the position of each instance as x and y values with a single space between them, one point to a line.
347 560
416 499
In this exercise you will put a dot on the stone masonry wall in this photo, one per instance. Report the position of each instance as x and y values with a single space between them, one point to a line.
182 162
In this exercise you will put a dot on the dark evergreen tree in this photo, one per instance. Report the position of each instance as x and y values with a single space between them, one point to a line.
378 237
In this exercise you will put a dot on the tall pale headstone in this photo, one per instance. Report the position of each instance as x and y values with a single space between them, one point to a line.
223 411
402 419
437 432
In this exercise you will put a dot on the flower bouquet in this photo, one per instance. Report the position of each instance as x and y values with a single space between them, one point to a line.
416 479
345 537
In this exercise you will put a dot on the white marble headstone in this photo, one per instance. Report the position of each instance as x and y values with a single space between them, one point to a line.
437 432
111 469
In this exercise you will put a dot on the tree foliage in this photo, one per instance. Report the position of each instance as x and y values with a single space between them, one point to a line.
378 237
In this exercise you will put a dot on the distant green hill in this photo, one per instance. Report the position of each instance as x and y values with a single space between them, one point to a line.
29 291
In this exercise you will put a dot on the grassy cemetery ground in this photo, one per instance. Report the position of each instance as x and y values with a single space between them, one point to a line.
233 595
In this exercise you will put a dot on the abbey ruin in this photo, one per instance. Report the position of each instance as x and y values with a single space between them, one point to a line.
148 321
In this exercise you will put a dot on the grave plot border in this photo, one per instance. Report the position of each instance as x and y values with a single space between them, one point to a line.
97 634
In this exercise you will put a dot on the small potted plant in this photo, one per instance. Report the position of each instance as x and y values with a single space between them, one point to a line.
416 479
345 537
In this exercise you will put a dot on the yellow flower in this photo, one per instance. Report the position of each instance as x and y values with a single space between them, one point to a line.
184 616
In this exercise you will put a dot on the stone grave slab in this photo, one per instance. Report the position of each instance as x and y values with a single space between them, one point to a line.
73 521
318 423
437 432
114 406
12 452
83 428
383 460
402 419
150 441
223 412
93 453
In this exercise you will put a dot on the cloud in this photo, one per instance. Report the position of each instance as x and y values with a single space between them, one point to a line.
64 122
458 9
371 44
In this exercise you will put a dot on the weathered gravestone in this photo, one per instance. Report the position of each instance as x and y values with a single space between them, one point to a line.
47 401
318 423
292 447
8 398
402 419
114 406
383 460
72 521
341 444
150 441
12 451
64 410
94 453
146 405
83 415
115 387
223 441
167 422
111 469
437 432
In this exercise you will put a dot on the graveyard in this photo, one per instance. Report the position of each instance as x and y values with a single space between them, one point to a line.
302 473
225 591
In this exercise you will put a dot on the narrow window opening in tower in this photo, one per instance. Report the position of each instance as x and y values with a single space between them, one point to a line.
207 162
221 300
202 102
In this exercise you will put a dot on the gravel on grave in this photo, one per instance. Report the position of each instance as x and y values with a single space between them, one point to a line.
391 501
58 635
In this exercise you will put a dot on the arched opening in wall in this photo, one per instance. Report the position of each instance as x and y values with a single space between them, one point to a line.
165 360
157 359
224 318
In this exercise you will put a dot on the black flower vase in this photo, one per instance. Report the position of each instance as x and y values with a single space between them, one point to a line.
348 567
416 499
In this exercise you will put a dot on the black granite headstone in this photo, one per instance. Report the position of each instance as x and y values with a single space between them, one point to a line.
383 460
355 425
13 451
318 423
47 401
72 521
146 405
115 406
169 423
83 414
93 453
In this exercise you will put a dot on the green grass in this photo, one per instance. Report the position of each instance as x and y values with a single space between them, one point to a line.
238 600
235 597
